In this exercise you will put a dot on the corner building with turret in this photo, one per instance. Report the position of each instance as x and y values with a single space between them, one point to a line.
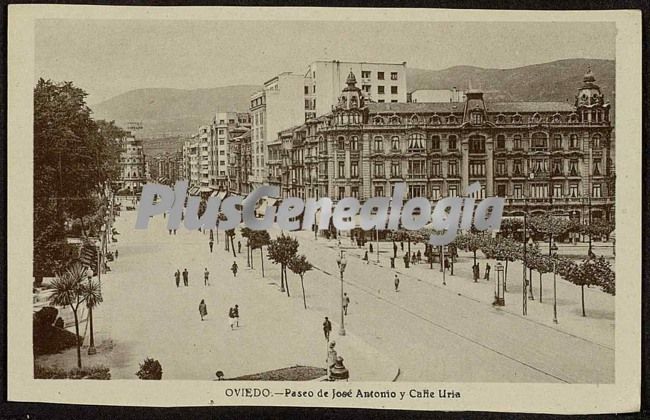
539 156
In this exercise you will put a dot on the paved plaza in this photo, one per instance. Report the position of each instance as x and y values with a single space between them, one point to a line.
426 331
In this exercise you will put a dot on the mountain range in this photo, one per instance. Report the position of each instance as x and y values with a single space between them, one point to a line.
177 112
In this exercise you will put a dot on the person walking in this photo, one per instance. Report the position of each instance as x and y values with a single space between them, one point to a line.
327 328
394 250
203 309
231 318
419 256
185 277
116 253
446 263
370 247
239 247
234 268
211 243
401 244
396 283
346 302
206 277
177 275
487 271
235 313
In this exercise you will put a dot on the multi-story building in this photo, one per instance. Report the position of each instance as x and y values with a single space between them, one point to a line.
132 164
239 161
191 158
538 155
324 80
436 95
279 105
165 167
224 127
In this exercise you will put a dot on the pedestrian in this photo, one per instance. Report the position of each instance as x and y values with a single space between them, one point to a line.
174 231
413 257
235 313
487 271
170 231
419 256
239 247
327 328
211 235
203 309
185 277
177 275
401 244
331 357
231 318
234 268
396 282
117 253
346 302
370 247
394 250
365 256
206 277
475 272
211 245
446 263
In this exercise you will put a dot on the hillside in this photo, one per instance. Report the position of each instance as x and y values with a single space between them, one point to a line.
169 112
555 81
177 112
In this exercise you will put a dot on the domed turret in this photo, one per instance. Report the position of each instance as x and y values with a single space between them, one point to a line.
589 93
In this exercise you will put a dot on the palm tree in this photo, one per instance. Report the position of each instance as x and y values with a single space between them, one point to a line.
93 296
68 290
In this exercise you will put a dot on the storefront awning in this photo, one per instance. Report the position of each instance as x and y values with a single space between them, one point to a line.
193 191
205 189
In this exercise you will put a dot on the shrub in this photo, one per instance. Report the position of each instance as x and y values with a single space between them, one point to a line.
150 369
92 372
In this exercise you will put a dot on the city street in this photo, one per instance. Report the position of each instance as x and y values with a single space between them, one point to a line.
429 331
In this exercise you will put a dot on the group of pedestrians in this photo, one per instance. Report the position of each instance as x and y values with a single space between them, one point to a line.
185 275
233 314
476 271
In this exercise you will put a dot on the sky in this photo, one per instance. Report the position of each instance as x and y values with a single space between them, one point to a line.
109 57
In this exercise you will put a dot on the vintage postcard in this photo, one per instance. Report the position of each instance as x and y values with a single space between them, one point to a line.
384 208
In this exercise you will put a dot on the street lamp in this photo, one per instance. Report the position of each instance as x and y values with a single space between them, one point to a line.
530 244
499 293
554 288
341 261
91 348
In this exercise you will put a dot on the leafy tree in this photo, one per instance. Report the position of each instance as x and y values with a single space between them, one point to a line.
68 289
542 264
591 272
150 369
550 225
510 226
470 241
281 250
502 249
259 239
300 266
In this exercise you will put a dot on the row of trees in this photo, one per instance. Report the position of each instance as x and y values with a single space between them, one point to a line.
75 157
547 225
283 250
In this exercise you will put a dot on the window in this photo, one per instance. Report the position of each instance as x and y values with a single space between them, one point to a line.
573 141
393 101
381 101
435 142
516 119
453 191
595 191
380 75
354 192
538 141
393 75
539 166
501 190
451 119
379 169
394 143
573 190
595 143
416 190
476 118
573 167
517 167
395 169
435 168
379 144
365 88
306 93
477 168
539 190
501 167
380 90
596 167
501 142
452 143
393 90
341 169
416 142
416 167
557 141
354 143
222 152
379 191
477 144
558 167
557 190
435 120
354 169
365 74
340 143
517 191
435 193
452 168
341 193
221 131
516 142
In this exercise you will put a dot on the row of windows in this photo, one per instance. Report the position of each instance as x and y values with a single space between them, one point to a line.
367 74
475 117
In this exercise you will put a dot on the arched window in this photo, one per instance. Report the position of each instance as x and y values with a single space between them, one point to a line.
573 141
340 143
394 143
379 120
354 143
451 119
353 102
516 142
395 120
477 144
516 119
536 118
573 118
416 142
435 120
596 141
557 118
501 119
415 119
557 142
538 141
476 118
435 142
379 144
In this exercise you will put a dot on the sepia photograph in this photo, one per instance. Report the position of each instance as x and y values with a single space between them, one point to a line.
206 204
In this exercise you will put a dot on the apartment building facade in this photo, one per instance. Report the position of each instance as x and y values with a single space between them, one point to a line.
132 164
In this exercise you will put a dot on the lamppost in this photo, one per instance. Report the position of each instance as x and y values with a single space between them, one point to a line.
91 348
499 293
554 288
524 304
341 261
442 256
